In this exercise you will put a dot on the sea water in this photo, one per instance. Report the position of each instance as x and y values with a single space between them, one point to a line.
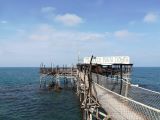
147 77
22 99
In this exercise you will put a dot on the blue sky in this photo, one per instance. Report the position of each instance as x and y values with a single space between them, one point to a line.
35 31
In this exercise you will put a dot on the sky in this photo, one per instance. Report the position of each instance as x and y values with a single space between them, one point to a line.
58 31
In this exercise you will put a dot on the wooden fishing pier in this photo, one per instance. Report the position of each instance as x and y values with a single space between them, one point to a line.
104 87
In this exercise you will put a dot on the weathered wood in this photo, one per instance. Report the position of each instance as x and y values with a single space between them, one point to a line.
88 94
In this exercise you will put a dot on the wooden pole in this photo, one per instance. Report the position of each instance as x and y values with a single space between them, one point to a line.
121 77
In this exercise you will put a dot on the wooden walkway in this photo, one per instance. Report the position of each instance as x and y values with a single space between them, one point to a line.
110 102
94 96
117 109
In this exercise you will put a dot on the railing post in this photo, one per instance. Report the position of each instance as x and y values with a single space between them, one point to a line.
121 77
126 90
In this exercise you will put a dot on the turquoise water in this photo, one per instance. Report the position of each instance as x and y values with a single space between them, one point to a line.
21 98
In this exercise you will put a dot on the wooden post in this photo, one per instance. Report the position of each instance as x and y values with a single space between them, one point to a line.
126 90
121 77
40 81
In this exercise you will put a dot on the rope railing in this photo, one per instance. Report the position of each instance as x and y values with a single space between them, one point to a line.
148 97
145 103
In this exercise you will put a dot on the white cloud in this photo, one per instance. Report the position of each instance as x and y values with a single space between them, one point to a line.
45 32
150 17
127 35
42 33
39 37
122 34
4 22
48 9
69 19
45 43
93 36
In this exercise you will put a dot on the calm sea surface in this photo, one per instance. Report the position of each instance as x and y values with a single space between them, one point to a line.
21 98
147 77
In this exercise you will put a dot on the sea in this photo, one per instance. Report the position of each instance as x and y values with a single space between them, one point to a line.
22 99
146 77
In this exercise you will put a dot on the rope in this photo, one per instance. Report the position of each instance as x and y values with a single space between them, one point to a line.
143 101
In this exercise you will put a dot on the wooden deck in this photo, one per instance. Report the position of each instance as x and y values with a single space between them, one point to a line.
117 109
69 71
94 96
